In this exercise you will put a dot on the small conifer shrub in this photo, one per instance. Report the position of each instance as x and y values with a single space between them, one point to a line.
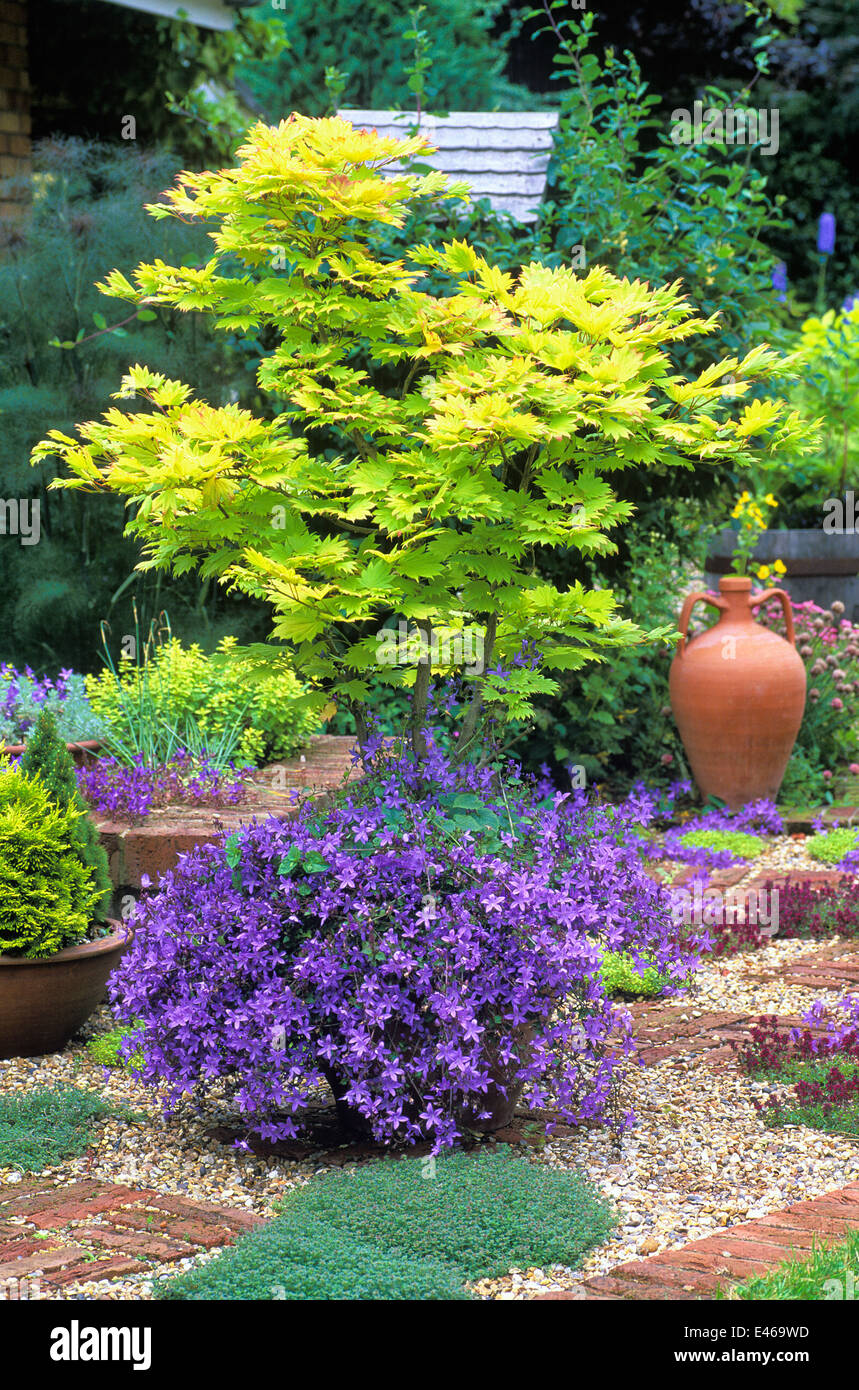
47 757
48 896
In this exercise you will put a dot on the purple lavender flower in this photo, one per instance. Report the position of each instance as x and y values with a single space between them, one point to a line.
779 280
826 233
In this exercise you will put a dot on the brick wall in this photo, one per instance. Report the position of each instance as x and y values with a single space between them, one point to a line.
14 104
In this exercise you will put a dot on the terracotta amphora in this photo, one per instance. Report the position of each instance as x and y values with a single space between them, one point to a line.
738 695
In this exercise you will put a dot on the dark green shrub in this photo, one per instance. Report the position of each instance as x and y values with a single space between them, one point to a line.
456 1218
48 896
375 58
47 757
47 1126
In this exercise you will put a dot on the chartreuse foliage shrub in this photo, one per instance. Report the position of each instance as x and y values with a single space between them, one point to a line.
47 1125
830 846
48 895
412 1228
47 757
514 401
619 975
262 719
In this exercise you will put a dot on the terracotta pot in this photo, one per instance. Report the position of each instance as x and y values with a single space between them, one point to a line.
500 1106
738 695
44 1002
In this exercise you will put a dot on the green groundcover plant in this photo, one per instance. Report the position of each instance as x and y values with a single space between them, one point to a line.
47 1125
737 842
830 846
510 403
114 1048
620 976
409 1228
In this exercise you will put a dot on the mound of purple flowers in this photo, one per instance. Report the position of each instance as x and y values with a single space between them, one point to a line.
130 791
435 935
648 806
23 695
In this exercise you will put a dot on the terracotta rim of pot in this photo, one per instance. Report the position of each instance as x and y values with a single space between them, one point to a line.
90 745
121 935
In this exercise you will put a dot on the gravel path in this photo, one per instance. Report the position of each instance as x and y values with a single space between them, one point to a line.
699 1158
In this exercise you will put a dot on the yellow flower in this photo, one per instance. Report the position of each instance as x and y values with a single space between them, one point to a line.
738 511
763 571
770 500
779 567
744 496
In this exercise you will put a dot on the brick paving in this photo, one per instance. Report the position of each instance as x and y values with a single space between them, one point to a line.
740 1252
88 1231
752 1248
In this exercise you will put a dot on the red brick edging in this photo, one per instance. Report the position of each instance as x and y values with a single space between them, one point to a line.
88 1231
730 1256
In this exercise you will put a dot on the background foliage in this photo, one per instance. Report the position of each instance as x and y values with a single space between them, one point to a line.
87 216
466 51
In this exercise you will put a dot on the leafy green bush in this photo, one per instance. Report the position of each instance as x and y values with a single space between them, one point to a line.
830 846
613 719
398 1225
46 757
803 783
739 843
652 209
374 58
47 1125
48 897
254 719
